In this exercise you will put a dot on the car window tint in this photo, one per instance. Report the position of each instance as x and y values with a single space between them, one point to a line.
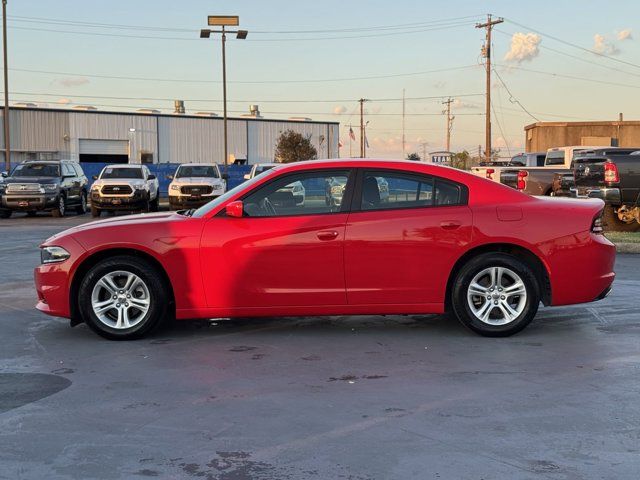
67 170
386 190
304 194
447 193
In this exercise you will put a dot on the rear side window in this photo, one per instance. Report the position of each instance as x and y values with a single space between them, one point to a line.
555 158
384 190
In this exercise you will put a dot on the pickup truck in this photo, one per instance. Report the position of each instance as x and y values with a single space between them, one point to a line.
540 180
194 184
55 186
492 170
614 178
124 187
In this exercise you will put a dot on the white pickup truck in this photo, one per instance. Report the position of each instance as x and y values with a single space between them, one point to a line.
194 184
493 171
124 187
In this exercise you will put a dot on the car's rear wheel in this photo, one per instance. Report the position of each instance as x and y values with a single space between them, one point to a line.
612 223
60 208
123 298
495 295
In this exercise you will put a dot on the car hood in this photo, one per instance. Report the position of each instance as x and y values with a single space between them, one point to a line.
30 180
197 181
118 181
141 220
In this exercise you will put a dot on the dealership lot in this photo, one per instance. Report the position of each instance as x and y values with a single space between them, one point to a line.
331 397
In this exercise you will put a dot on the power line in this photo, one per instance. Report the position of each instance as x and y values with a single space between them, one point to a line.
512 99
182 80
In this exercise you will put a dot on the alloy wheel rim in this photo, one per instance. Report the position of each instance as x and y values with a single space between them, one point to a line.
61 205
497 296
83 203
120 300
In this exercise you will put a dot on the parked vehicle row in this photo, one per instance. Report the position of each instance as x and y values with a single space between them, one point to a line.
493 170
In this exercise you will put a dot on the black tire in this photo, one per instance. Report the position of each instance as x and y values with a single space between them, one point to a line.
95 211
31 213
146 206
5 213
82 208
158 293
473 267
154 205
61 209
612 223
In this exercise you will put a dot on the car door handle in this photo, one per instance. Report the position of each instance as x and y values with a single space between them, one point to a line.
450 225
327 235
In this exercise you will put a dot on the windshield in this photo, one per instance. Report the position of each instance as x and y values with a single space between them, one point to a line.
36 170
262 168
203 210
197 171
110 172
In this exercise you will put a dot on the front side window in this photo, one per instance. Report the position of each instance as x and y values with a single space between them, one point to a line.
310 193
393 190
111 172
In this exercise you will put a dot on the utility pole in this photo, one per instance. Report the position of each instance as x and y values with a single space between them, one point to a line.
486 51
362 132
448 103
5 120
403 136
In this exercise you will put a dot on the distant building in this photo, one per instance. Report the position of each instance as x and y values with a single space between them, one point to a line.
541 136
148 136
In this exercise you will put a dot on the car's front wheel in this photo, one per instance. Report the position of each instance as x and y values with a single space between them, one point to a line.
82 208
123 298
495 295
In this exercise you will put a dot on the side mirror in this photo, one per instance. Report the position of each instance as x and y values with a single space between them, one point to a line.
169 177
95 177
152 177
235 209
4 174
247 176
225 176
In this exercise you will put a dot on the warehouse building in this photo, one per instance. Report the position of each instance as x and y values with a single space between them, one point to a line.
541 136
89 135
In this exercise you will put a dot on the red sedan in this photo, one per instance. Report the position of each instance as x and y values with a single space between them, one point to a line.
436 239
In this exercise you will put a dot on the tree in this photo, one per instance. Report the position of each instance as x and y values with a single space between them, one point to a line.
413 156
294 147
461 160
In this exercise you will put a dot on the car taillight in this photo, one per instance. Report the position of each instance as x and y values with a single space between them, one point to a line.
489 174
611 172
597 226
522 184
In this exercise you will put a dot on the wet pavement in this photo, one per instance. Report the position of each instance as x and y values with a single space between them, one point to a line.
317 398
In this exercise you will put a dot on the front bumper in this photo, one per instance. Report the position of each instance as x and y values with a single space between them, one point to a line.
41 201
190 201
136 201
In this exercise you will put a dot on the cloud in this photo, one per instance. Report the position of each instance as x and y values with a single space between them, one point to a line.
340 109
459 104
72 81
623 35
524 47
604 46
64 101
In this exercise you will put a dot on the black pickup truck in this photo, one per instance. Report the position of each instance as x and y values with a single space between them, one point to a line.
615 178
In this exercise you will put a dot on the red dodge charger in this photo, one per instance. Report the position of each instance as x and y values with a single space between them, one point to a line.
334 237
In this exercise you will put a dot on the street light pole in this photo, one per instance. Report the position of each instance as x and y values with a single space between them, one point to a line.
224 21
5 120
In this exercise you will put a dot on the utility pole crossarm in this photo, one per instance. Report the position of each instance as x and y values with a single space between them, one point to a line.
488 25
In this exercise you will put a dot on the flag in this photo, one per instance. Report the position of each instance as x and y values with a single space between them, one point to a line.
352 135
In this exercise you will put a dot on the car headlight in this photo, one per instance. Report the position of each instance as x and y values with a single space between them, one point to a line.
337 189
175 187
50 187
95 187
139 186
53 254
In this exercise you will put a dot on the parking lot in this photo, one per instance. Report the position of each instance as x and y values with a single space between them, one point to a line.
329 398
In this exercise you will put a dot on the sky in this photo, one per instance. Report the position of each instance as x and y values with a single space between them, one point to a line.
554 61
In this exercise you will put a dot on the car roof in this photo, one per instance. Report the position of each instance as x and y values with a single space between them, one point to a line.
272 164
50 162
124 165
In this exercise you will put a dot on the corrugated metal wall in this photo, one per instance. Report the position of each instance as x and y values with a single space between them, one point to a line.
171 139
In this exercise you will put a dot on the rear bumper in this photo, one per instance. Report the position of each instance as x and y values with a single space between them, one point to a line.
609 195
583 271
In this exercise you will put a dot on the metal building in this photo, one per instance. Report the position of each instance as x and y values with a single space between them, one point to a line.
148 136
